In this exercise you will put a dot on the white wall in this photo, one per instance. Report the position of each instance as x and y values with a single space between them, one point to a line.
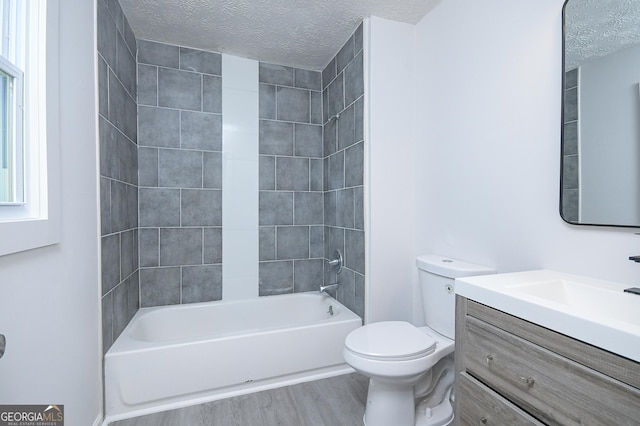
49 297
488 144
390 104
609 137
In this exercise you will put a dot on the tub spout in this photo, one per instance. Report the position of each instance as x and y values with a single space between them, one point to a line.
324 288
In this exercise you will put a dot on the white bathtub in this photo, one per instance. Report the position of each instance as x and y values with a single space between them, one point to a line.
178 355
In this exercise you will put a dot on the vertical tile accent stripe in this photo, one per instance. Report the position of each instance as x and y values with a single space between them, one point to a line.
239 178
571 155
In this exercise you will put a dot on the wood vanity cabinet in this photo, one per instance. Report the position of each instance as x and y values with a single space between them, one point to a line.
512 372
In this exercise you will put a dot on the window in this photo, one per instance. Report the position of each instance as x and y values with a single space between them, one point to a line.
29 175
12 28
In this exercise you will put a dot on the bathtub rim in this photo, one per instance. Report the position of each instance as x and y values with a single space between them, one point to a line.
126 344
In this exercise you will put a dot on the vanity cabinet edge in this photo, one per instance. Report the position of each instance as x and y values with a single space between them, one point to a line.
460 324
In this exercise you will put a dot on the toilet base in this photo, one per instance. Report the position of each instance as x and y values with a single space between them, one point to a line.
440 415
389 405
395 405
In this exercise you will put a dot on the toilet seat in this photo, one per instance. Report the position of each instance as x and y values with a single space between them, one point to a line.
390 341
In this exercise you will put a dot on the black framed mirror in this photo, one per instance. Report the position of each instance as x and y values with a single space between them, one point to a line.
600 159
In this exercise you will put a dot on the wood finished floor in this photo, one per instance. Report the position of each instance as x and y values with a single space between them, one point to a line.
336 401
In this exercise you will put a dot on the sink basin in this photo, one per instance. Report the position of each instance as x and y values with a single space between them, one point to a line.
595 300
594 311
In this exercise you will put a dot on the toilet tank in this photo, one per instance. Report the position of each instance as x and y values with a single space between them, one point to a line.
437 274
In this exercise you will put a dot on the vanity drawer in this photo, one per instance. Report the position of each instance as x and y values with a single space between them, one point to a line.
550 387
482 406
607 363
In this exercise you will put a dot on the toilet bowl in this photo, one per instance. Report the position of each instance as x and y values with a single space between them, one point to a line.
396 356
400 359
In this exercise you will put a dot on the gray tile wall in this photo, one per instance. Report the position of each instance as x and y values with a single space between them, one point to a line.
570 156
291 215
180 174
161 174
343 165
118 169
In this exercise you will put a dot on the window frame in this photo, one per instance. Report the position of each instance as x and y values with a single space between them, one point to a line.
38 223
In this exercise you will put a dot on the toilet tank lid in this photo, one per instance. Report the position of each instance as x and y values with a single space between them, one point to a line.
450 267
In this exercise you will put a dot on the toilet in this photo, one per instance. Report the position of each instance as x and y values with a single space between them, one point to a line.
410 368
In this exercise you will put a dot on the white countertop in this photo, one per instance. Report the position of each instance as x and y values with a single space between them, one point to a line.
594 311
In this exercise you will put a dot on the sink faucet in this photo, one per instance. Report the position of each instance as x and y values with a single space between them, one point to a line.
324 288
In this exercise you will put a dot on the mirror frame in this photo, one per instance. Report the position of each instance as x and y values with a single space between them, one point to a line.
562 114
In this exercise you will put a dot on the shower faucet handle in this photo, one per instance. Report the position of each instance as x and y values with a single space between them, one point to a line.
336 262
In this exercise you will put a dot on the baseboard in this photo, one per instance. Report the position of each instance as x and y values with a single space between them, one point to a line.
99 420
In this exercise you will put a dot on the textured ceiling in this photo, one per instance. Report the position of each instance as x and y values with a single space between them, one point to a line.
300 33
596 28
